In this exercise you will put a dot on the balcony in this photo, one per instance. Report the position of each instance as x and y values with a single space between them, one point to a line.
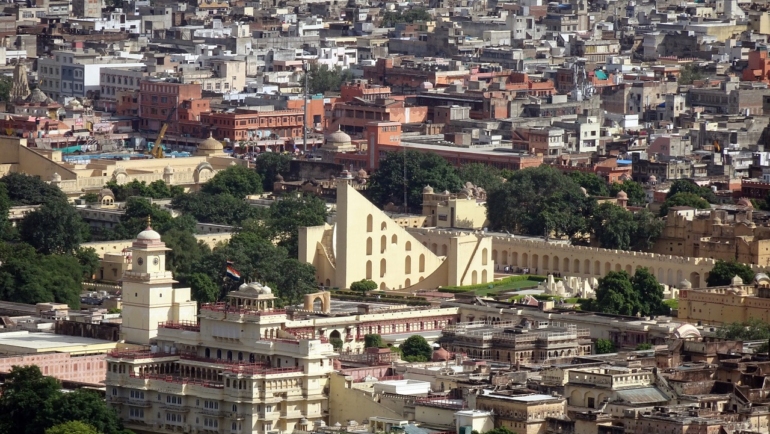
213 412
192 326
136 402
292 414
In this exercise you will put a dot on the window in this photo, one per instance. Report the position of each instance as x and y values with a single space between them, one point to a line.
136 413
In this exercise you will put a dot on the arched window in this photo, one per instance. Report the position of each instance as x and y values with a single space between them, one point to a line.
369 269
408 265
484 254
408 247
383 267
369 223
422 263
383 243
369 246
384 226
394 239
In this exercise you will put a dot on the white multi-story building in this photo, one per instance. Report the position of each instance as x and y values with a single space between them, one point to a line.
230 368
74 73
123 79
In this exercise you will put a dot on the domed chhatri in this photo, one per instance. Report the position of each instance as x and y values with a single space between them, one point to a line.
685 284
427 190
745 202
337 139
622 195
209 146
148 234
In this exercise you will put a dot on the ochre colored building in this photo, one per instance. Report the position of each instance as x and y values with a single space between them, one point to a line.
367 244
737 302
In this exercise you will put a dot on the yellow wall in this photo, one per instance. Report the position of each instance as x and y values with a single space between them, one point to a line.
348 403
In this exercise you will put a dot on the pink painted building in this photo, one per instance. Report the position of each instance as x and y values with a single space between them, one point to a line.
82 369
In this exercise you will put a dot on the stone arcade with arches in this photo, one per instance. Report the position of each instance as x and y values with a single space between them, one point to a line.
366 243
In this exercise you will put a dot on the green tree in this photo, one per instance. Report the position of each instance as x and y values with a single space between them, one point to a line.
612 227
615 294
90 198
594 184
482 175
6 84
27 396
336 343
723 272
752 330
221 209
55 227
634 190
7 231
416 349
684 199
643 347
29 277
373 340
72 427
155 190
539 201
185 251
363 286
89 261
323 79
85 405
500 430
648 230
297 279
386 185
649 292
690 73
202 288
390 19
271 164
237 181
604 346
25 189
291 213
134 220
687 186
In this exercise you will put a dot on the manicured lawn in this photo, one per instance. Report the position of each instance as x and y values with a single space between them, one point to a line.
673 304
510 286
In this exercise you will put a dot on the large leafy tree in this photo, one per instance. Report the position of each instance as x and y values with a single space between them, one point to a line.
30 277
203 289
422 169
594 184
155 190
27 396
723 272
687 186
291 213
538 201
604 346
481 175
237 181
32 403
390 19
72 427
322 79
634 190
25 189
134 220
55 227
416 349
185 251
650 293
89 261
613 227
223 209
271 164
615 294
684 199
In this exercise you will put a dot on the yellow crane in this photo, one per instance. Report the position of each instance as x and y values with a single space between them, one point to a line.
157 149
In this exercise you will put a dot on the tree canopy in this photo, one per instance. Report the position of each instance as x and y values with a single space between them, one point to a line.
621 294
155 190
684 199
322 79
613 227
373 340
291 213
604 346
481 175
634 190
594 184
363 286
539 201
32 404
72 427
55 227
416 349
390 19
687 186
723 272
237 181
422 169
271 164
25 189
221 209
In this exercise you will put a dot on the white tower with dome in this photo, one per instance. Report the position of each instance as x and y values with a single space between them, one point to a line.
149 297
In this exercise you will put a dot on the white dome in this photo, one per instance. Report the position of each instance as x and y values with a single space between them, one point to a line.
243 287
148 234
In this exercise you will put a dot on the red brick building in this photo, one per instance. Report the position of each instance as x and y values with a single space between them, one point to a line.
247 124
158 98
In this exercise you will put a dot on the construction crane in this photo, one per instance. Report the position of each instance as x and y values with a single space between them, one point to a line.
157 149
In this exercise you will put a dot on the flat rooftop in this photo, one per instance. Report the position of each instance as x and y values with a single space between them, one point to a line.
24 342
